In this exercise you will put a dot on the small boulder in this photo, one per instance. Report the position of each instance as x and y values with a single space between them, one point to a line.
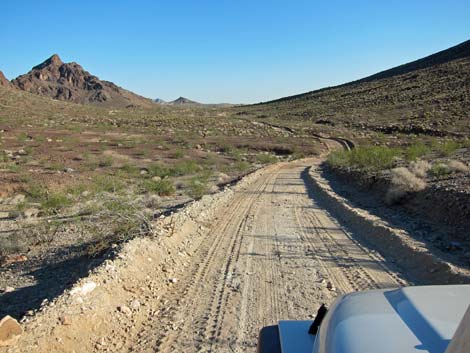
10 330
17 199
31 212
135 304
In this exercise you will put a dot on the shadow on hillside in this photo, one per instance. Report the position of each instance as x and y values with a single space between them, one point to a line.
52 275
396 217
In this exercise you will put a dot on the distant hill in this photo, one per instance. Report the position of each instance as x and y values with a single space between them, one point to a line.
183 101
3 81
70 82
427 95
160 101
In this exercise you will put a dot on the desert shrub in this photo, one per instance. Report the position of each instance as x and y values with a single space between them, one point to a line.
76 190
105 161
445 148
416 150
373 158
266 158
163 187
457 166
420 168
4 157
179 154
130 169
185 168
50 202
107 183
439 170
403 182
35 192
242 166
198 187
158 170
54 201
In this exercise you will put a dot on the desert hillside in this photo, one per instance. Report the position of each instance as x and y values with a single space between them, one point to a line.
431 95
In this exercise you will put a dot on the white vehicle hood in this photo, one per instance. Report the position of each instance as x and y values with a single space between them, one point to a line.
406 320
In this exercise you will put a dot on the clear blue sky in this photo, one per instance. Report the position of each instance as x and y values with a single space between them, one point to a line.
237 51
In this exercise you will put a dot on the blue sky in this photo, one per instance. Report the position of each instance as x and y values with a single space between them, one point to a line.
237 51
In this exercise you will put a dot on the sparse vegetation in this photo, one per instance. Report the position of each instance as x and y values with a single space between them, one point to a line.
372 158
266 158
439 170
198 186
163 187
403 182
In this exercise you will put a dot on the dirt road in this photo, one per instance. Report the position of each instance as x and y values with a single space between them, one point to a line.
272 254
237 261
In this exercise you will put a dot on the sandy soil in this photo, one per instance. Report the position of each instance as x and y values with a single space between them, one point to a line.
221 269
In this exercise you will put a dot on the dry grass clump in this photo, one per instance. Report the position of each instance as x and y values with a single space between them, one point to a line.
420 168
403 183
457 166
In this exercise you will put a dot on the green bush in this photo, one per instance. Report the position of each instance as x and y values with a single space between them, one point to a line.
439 170
163 187
242 166
373 158
185 168
54 201
198 187
130 169
159 170
107 183
179 154
415 151
446 148
266 158
105 161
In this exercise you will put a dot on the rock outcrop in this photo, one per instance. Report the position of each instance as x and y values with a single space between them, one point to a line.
3 81
70 82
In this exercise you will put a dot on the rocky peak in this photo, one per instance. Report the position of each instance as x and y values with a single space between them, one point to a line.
54 61
70 82
3 80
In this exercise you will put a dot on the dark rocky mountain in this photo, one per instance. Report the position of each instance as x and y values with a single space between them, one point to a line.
3 81
70 82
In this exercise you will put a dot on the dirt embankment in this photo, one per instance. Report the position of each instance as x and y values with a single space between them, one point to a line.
437 217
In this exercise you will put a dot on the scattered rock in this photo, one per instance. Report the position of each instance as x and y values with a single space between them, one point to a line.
330 286
125 310
31 212
17 199
173 280
65 320
11 259
222 178
135 304
10 330
156 178
84 290
8 290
